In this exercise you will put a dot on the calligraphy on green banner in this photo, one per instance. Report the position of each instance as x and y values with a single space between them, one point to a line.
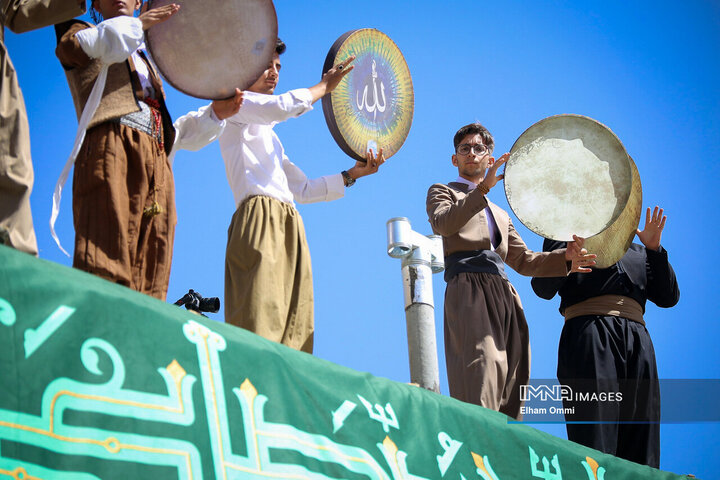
99 382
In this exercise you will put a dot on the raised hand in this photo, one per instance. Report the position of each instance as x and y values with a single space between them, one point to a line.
154 16
491 177
331 79
651 234
580 258
371 165
230 106
333 76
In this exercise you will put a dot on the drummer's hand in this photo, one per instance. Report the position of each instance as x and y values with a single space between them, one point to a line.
491 177
580 258
154 16
651 234
371 165
230 106
331 79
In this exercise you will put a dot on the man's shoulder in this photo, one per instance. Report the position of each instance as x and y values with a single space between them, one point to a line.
72 26
454 186
438 189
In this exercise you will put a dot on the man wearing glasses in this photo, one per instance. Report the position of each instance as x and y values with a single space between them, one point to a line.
487 348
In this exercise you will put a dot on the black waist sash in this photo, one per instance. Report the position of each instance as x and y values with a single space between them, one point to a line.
474 261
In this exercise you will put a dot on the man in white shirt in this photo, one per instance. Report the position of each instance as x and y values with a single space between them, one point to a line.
268 277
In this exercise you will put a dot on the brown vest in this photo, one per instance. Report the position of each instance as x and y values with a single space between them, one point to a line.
122 89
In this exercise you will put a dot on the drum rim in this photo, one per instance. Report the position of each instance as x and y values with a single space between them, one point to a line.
627 234
328 111
327 99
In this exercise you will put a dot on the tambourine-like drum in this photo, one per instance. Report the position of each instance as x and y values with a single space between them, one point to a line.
210 47
612 243
568 174
373 105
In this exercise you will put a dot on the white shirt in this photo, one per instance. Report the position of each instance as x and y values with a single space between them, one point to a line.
492 226
143 72
255 160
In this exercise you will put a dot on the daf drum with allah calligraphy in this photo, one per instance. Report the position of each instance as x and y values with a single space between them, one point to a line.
568 174
209 48
373 105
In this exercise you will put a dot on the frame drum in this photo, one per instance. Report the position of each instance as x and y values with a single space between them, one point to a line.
373 105
612 243
567 174
210 47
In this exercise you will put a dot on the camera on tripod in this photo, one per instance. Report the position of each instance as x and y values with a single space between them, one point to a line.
195 302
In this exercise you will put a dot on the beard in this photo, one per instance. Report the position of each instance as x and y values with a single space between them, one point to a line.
473 171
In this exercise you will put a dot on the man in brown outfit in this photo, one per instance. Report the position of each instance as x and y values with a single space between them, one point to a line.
16 172
123 187
487 347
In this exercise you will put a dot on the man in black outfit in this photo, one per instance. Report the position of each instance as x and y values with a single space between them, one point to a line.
605 352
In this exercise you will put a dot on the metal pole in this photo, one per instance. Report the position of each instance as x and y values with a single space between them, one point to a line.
420 259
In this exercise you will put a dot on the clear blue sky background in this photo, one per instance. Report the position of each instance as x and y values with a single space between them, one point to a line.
648 70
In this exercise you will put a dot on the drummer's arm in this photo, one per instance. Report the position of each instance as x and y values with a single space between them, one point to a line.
446 215
112 41
662 287
330 187
331 79
529 263
194 130
547 287
311 190
261 109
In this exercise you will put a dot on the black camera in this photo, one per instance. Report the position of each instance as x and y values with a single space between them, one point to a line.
194 301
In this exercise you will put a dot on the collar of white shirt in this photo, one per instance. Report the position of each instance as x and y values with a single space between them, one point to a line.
466 182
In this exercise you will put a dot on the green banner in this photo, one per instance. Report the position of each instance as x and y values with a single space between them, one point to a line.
100 382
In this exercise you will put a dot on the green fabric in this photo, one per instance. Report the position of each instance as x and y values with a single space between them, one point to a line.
98 381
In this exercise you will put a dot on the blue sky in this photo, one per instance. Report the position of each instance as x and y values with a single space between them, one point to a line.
648 70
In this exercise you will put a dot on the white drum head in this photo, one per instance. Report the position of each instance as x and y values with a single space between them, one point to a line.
567 174
210 47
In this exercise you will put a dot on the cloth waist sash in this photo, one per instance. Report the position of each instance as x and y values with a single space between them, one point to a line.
615 305
148 120
474 261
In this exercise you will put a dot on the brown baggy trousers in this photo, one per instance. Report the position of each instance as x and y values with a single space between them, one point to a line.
268 276
120 173
487 345
16 170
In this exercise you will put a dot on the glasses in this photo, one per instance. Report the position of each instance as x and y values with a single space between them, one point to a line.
477 149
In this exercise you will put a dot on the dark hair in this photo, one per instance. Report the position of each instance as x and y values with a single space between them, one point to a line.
280 47
474 129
